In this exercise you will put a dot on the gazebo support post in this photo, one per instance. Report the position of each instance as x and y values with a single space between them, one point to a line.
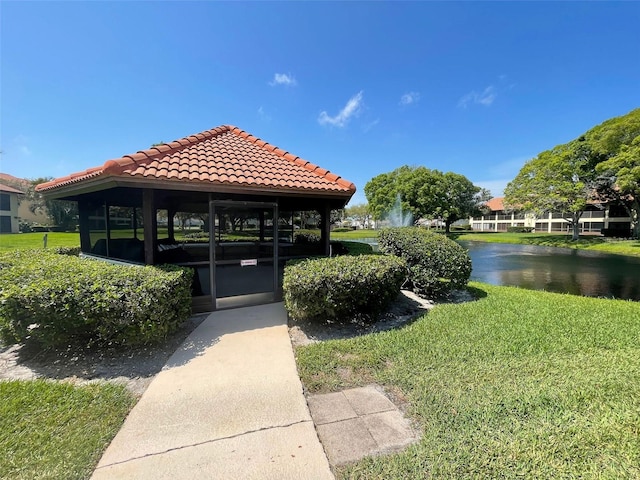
83 220
170 225
150 226
325 228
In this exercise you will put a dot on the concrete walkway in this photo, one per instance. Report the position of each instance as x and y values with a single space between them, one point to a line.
228 405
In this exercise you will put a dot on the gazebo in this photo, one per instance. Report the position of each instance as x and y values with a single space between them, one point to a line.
251 201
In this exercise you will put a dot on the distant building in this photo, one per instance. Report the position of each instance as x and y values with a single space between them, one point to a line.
593 220
24 208
9 220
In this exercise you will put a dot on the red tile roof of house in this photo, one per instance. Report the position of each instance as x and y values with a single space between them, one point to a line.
224 155
8 189
10 179
495 204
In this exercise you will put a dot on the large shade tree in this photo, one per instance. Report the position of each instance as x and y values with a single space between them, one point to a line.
602 165
558 180
425 193
616 146
620 181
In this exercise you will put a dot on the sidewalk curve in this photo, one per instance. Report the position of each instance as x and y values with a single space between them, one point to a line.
228 404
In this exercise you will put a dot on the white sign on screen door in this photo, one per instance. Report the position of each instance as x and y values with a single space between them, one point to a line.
253 262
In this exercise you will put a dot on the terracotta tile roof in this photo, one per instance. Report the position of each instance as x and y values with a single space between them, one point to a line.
8 189
495 204
221 156
11 180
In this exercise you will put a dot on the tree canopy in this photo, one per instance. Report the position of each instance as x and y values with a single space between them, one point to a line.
62 213
425 193
559 180
359 212
601 165
617 144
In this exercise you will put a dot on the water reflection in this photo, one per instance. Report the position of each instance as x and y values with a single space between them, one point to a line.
578 272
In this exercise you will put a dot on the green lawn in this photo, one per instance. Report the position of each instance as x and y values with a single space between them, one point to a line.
619 247
518 384
56 430
11 241
354 234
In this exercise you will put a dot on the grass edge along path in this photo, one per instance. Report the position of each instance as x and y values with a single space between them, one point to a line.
518 384
55 429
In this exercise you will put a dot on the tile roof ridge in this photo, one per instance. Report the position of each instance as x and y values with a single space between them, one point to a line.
88 173
321 172
118 165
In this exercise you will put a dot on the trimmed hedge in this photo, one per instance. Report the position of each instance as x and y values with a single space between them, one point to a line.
519 229
356 248
306 236
71 251
437 264
55 299
616 232
342 288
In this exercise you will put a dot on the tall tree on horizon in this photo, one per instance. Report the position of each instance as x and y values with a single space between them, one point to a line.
425 193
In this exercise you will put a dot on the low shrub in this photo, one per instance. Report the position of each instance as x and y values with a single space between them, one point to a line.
616 232
306 236
437 264
25 227
519 229
464 227
198 234
343 229
54 299
356 248
72 251
342 288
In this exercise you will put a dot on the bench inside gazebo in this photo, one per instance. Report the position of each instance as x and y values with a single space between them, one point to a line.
249 199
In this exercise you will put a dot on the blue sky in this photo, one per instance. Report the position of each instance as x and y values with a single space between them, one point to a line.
357 88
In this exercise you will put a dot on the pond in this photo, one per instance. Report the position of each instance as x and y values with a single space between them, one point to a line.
564 270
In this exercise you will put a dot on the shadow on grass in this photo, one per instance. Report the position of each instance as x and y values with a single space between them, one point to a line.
404 311
476 292
80 362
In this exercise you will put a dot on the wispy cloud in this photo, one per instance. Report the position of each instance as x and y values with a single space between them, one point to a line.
352 108
485 98
409 98
370 125
285 79
264 115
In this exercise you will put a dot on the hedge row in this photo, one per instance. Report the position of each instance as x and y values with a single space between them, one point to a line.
342 288
72 251
356 248
519 229
55 299
437 264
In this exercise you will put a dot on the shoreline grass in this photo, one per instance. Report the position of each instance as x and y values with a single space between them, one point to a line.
518 384
593 243
55 429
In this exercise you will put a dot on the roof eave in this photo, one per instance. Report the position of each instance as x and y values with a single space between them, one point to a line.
104 182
